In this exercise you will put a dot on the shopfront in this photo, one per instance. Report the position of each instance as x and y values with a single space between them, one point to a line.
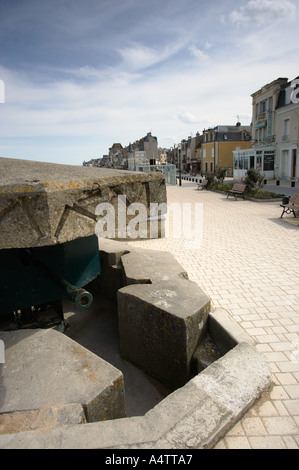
262 159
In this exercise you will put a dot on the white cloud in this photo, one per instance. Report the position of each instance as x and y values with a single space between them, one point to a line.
258 12
188 118
138 56
198 53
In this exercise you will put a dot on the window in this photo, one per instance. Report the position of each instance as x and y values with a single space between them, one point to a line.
211 166
241 161
263 106
269 160
259 159
286 129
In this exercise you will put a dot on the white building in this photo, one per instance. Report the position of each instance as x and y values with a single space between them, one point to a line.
287 132
263 152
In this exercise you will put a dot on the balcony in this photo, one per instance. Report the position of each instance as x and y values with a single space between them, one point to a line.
261 116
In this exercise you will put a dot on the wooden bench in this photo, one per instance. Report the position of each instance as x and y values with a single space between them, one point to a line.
237 191
202 184
292 206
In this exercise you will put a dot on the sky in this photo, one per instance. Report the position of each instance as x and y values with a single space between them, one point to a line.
77 76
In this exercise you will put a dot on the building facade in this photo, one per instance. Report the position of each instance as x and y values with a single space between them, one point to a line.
219 143
116 155
143 152
274 144
287 133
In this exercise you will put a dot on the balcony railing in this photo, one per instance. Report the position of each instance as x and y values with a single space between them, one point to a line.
261 116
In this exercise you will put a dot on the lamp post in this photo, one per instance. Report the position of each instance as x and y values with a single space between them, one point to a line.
180 162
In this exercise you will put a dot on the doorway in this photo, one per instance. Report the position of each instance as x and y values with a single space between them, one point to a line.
294 163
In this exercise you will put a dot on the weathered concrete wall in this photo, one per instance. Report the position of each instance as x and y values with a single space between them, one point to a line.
45 204
195 416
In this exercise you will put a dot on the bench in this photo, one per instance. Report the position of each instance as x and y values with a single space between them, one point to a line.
237 191
292 206
202 184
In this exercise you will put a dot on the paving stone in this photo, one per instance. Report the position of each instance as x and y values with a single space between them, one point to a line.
267 442
280 425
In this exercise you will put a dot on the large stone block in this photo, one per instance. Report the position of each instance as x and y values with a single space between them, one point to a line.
52 203
160 326
43 419
45 367
141 267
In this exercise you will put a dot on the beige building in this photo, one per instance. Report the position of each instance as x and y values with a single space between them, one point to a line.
219 143
143 152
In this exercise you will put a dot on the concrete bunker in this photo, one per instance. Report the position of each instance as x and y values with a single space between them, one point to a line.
164 321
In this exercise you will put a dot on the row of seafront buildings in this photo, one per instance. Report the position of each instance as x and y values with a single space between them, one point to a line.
270 143
142 152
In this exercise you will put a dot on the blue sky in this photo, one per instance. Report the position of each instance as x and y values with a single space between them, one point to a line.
80 75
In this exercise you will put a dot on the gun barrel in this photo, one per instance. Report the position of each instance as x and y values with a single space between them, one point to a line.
81 297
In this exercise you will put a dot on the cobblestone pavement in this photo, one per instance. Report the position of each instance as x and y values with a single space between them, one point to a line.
246 259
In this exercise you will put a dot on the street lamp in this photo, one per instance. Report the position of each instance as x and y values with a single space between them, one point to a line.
180 162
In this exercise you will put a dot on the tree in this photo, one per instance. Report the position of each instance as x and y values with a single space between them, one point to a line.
254 177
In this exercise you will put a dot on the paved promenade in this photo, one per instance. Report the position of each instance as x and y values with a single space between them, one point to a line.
246 259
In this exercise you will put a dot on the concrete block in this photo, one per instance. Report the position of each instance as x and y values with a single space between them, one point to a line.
45 367
43 419
225 331
141 267
111 278
237 378
160 326
52 203
111 251
232 384
195 416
